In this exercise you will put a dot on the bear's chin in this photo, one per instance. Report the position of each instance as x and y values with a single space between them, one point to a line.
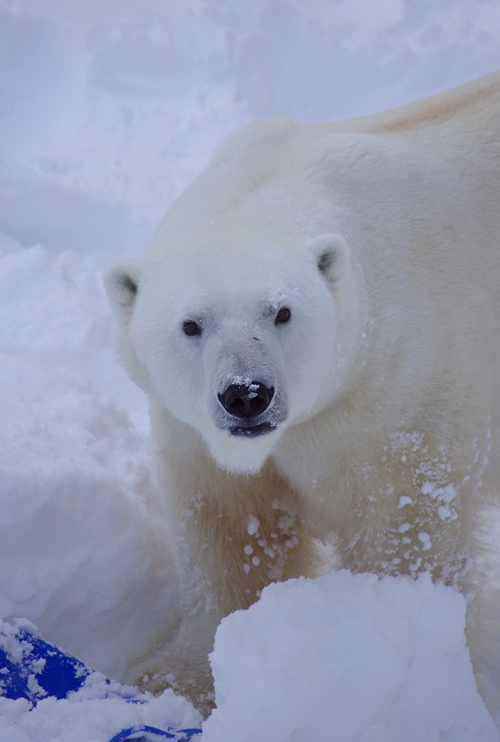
242 454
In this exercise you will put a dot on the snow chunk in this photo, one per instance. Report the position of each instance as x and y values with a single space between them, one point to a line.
253 525
347 658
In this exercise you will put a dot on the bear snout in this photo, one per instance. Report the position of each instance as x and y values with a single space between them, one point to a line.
246 401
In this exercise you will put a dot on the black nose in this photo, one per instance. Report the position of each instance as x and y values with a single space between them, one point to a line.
246 400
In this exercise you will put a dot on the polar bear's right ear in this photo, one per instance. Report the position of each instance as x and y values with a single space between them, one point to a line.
121 281
331 253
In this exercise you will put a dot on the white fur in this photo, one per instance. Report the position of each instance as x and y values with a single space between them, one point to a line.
381 235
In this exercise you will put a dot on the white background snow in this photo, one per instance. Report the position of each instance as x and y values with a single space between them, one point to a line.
108 109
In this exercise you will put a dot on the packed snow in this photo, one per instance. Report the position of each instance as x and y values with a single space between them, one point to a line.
347 658
108 109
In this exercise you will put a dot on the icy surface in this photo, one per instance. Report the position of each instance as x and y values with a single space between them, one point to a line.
108 108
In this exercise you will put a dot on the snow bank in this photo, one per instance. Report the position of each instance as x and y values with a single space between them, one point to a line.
347 658
83 551
53 309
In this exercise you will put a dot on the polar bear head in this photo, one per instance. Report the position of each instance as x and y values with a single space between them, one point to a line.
237 338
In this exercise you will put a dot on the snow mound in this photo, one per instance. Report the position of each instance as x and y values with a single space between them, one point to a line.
53 309
347 658
82 554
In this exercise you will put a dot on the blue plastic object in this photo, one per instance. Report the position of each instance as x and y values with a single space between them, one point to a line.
152 734
32 668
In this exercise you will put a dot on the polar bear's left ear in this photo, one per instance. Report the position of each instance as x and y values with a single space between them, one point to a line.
331 253
121 281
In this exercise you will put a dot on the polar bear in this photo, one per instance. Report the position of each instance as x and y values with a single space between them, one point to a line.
316 324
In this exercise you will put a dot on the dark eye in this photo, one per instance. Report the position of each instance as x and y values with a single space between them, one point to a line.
283 316
191 328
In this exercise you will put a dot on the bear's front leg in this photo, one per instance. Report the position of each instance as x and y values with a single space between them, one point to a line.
233 535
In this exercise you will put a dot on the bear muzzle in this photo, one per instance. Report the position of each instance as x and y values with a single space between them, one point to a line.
247 402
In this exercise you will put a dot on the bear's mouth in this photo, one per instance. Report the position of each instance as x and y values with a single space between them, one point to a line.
251 431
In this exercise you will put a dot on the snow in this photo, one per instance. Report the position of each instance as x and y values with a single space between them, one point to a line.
108 109
347 658
97 710
90 717
80 545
